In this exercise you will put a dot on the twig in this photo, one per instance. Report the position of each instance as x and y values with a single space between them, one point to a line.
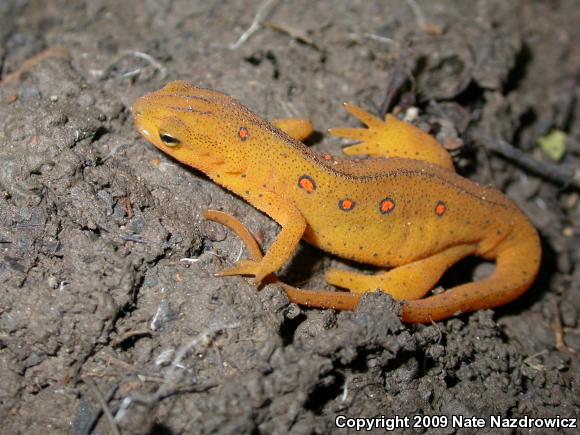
134 239
147 57
298 34
53 52
374 37
113 152
423 24
263 11
344 394
559 333
198 388
170 387
547 170
240 253
438 328
130 334
418 12
104 408
106 73
396 82
530 361
205 337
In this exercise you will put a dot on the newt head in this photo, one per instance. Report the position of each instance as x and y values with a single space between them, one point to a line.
199 127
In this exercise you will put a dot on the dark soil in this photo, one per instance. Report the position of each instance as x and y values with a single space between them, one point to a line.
107 293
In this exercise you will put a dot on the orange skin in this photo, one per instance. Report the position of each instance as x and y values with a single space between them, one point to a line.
408 213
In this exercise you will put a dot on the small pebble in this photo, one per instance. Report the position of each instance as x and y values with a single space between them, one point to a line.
52 281
86 100
29 92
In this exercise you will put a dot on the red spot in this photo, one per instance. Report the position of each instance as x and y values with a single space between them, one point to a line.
243 133
440 208
387 205
307 183
327 157
346 204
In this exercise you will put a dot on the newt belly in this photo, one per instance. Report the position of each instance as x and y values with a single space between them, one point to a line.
404 210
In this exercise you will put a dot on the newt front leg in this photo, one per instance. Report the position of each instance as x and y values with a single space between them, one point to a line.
293 226
308 298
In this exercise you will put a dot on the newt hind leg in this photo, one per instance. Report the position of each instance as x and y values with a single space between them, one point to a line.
408 282
391 138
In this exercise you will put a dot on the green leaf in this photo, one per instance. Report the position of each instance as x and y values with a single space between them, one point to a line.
554 144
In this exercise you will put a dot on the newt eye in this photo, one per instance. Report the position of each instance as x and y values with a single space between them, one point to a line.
169 140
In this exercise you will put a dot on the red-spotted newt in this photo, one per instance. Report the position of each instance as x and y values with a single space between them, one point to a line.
404 210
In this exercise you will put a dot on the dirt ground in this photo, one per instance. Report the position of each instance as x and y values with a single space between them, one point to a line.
110 316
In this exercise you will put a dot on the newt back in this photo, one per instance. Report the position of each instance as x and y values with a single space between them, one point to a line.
409 212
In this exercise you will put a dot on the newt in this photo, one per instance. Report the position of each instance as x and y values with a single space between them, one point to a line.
403 209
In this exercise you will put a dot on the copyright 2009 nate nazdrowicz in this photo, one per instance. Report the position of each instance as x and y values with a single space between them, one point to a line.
454 422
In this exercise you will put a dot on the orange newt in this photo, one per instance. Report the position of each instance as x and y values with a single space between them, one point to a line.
405 211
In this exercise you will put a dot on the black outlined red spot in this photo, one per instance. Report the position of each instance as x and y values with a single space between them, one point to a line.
243 134
346 204
440 208
307 183
387 206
